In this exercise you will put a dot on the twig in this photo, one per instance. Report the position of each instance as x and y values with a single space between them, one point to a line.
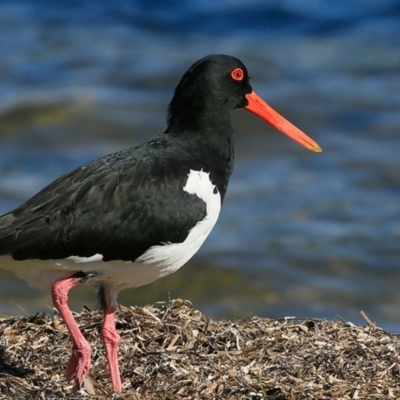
369 322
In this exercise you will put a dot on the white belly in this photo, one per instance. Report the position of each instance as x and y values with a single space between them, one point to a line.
157 262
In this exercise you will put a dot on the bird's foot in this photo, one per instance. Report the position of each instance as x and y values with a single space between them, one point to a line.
79 363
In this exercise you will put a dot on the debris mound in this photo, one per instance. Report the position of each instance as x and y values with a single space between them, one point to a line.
172 351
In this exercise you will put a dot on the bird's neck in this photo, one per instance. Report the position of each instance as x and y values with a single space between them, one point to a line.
196 115
208 140
207 131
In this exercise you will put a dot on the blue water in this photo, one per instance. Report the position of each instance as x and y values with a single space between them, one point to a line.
311 235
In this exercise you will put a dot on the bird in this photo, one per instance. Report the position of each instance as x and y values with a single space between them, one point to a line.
129 218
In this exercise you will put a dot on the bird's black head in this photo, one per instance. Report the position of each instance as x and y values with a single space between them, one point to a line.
212 87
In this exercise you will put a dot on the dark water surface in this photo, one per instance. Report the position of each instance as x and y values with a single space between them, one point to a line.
313 235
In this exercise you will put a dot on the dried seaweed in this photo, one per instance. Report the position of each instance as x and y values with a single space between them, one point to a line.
171 351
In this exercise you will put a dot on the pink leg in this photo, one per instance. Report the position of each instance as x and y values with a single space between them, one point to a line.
80 361
111 341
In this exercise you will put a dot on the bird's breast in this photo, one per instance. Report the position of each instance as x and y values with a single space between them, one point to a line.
171 256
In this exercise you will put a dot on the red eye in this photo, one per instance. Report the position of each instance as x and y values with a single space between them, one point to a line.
237 74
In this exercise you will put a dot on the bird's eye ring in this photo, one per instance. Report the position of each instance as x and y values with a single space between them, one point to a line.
237 74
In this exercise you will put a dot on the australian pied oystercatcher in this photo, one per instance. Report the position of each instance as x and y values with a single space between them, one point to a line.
129 218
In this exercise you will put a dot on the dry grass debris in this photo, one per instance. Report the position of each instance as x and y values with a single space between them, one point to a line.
171 351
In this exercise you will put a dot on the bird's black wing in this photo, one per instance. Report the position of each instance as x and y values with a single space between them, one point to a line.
118 206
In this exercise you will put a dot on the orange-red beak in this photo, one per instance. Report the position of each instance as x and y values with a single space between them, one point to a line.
259 107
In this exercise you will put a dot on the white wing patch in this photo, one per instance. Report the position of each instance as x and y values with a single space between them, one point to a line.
171 256
157 262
